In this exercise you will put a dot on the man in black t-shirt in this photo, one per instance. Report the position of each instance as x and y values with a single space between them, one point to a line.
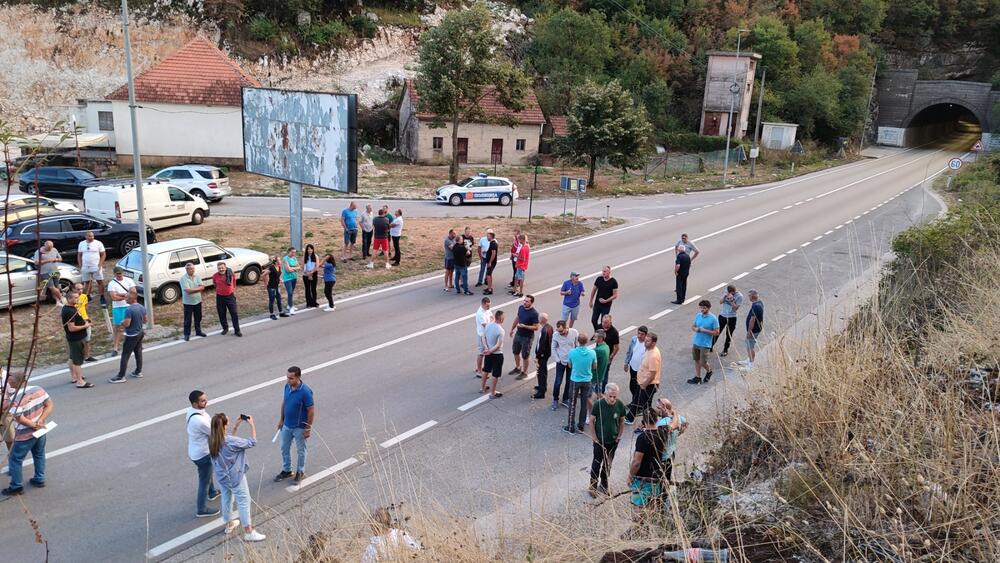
682 267
525 325
380 234
646 472
612 339
76 331
461 256
603 294
491 260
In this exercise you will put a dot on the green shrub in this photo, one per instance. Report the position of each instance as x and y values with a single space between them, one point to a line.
692 142
264 29
362 26
332 33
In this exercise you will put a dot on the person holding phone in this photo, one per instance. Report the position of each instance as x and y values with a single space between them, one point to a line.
229 463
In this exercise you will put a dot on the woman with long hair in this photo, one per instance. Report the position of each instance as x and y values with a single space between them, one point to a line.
309 266
329 280
229 462
272 279
289 275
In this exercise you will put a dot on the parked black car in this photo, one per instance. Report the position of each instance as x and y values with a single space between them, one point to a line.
66 230
56 181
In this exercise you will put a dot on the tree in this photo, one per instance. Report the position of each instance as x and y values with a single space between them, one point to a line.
564 63
460 62
605 122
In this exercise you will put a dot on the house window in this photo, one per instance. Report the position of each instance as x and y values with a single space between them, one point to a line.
105 121
519 144
438 143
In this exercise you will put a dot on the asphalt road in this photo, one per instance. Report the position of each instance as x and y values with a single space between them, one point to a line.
391 365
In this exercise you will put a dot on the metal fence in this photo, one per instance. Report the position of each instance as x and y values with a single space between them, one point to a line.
665 164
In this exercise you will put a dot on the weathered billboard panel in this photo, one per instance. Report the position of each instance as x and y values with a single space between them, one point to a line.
305 137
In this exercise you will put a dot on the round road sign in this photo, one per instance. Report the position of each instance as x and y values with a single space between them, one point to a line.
955 163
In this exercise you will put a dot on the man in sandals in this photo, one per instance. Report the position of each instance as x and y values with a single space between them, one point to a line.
75 328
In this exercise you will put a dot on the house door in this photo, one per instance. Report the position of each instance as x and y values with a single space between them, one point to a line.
463 150
496 152
712 124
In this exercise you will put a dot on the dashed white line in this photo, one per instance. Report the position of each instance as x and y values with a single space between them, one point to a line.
856 217
717 287
692 299
681 212
741 276
817 237
787 207
810 199
660 314
165 547
408 434
830 232
474 403
805 244
322 474
778 257
799 202
792 251
761 265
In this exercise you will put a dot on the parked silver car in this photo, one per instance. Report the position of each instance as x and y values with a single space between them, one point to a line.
24 280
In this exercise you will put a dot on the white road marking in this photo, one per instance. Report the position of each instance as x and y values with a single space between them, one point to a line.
840 226
817 237
322 474
849 221
474 403
311 210
681 213
778 257
717 287
741 197
792 251
660 314
180 540
830 232
741 276
731 227
761 265
856 217
799 202
805 244
692 299
810 199
408 434
787 207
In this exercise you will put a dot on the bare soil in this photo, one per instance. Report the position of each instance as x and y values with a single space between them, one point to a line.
420 245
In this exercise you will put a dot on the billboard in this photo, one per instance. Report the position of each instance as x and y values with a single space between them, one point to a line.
305 137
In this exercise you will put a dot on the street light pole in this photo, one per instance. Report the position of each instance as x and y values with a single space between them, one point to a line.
147 297
531 196
756 129
734 89
76 139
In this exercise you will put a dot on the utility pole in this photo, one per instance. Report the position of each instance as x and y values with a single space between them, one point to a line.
734 89
755 151
868 109
147 297
531 196
76 139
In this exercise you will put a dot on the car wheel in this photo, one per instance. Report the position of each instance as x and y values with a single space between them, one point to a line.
65 286
169 293
198 193
455 200
27 188
127 244
250 275
198 217
505 200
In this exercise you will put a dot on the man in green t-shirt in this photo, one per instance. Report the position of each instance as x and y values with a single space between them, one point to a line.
603 352
191 289
607 419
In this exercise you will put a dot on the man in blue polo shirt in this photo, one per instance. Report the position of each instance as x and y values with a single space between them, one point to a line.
349 221
704 327
295 422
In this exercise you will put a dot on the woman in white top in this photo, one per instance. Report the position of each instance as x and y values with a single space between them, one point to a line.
309 278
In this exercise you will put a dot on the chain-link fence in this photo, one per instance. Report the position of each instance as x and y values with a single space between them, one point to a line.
665 164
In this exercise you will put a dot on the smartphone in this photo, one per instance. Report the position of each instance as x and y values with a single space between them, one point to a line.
244 417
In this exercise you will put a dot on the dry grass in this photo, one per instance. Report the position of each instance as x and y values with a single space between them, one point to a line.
421 247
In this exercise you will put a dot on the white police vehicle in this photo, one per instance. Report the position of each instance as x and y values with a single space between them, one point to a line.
479 188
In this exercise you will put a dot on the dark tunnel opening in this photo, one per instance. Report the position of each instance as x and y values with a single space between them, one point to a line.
943 123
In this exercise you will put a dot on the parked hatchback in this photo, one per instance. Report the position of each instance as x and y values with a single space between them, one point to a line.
24 280
56 181
25 200
66 230
210 183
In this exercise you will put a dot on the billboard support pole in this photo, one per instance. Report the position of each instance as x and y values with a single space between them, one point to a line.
295 214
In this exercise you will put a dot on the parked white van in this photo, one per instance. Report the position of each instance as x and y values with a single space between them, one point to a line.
166 204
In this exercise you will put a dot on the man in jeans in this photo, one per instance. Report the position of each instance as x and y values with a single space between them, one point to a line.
633 361
30 409
135 318
191 290
563 341
484 247
648 378
582 365
225 297
367 228
731 302
295 421
198 429
542 353
607 420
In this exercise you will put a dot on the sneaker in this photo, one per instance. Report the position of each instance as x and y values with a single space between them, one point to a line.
137 374
9 492
215 496
521 376
299 476
749 366
331 309
281 315
369 266
225 331
479 285
694 380
117 379
487 292
565 404
468 293
743 363
274 317
254 536
104 302
207 514
114 353
555 406
724 353
537 396
629 422
569 429
239 334
708 375
187 337
514 371
291 310
282 476
388 266
232 525
90 359
37 483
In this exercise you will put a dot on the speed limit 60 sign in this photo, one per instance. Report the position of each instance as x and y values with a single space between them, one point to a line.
955 163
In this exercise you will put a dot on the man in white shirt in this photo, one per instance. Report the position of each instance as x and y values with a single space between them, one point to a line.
396 233
484 246
198 430
633 360
483 318
119 287
90 256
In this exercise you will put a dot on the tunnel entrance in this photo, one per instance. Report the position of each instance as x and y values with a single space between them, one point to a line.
943 122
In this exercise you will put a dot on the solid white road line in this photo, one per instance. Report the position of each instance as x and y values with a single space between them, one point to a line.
408 434
840 226
322 474
792 251
717 287
830 232
474 403
787 207
692 299
185 538
817 237
805 244
661 314
778 257
761 265
741 276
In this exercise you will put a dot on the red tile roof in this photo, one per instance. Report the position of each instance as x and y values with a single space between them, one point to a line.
491 106
560 126
197 74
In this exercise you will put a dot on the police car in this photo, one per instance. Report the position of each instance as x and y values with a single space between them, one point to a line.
479 188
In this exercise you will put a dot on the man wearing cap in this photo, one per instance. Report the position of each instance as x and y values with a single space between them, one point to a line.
118 287
571 290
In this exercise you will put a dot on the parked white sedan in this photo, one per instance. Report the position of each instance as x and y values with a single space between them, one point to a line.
26 200
24 280
480 188
167 260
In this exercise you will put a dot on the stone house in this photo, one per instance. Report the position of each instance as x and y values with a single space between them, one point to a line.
478 143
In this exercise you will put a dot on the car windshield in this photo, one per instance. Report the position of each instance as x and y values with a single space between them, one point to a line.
133 260
466 181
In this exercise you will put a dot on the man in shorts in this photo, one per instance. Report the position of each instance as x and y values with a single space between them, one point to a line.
349 221
493 354
755 324
90 256
571 290
524 326
48 260
119 287
704 327
521 265
484 317
380 226
492 251
76 329
646 471
81 306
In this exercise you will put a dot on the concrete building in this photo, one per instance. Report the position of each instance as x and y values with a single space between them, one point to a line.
189 109
778 136
478 143
724 67
96 117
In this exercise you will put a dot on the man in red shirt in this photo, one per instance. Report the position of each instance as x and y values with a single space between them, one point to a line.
225 297
521 265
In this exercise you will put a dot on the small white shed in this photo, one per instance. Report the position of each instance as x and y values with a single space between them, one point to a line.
780 136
